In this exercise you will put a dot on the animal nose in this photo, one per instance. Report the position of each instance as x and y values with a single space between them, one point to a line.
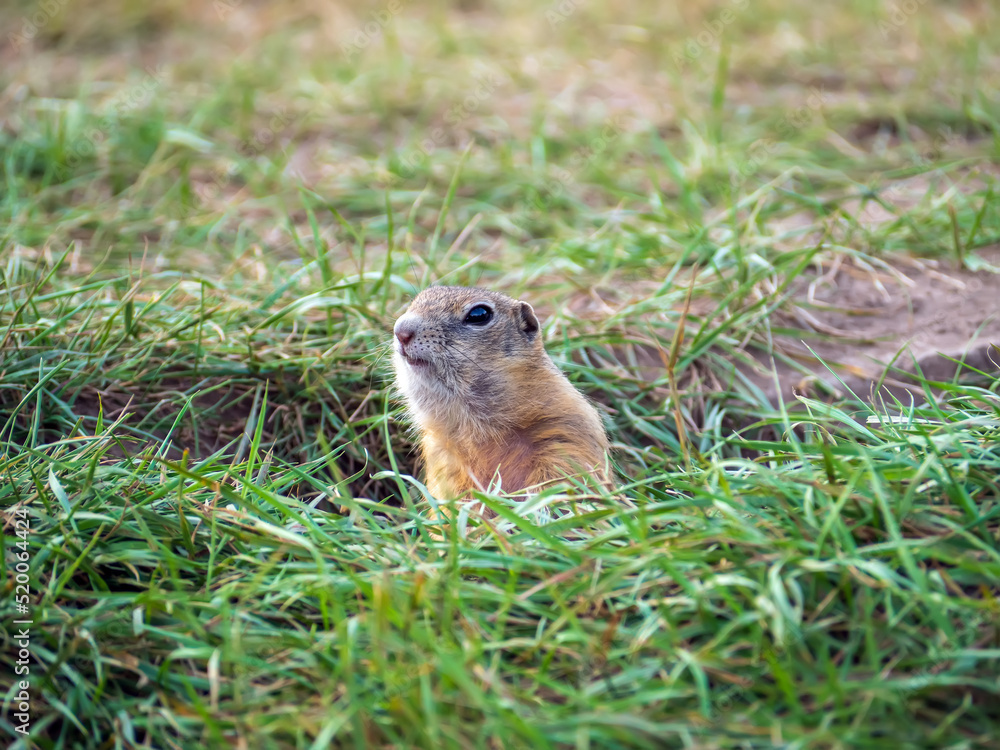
405 330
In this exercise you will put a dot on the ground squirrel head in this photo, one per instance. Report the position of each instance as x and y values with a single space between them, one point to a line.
463 356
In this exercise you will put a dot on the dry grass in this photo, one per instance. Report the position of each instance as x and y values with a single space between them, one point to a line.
210 215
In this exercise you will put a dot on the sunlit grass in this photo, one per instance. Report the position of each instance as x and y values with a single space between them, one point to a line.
208 224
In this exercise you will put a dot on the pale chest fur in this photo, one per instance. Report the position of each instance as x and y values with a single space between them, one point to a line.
454 469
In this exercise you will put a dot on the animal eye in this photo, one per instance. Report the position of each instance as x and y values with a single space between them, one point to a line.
479 315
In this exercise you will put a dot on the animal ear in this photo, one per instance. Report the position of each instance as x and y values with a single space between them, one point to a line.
528 321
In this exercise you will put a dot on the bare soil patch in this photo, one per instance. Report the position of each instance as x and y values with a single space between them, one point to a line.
882 324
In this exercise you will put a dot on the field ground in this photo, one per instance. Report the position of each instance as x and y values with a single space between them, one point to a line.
765 239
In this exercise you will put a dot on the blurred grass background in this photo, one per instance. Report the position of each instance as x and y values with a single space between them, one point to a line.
211 213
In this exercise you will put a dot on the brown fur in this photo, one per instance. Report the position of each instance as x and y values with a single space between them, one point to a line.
489 404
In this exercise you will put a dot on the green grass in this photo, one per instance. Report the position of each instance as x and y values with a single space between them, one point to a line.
229 543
